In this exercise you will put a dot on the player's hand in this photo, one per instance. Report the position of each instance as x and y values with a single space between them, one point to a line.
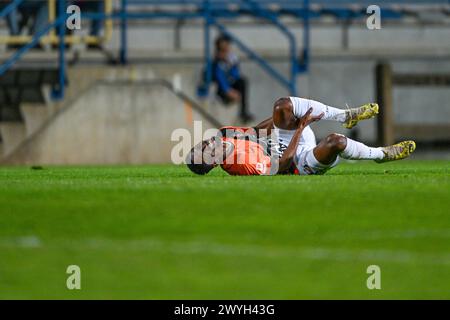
307 118
234 95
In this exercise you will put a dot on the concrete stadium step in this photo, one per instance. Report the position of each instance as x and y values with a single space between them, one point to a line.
183 77
186 78
10 113
28 116
13 133
115 122
25 91
226 114
34 116
29 89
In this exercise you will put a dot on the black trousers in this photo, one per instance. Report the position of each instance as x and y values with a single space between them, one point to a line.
239 85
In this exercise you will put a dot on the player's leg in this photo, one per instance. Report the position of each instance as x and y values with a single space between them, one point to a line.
288 110
327 153
328 149
321 158
300 106
348 117
241 86
336 145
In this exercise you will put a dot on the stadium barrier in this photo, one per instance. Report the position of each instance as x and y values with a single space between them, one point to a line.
211 12
388 130
208 10
108 110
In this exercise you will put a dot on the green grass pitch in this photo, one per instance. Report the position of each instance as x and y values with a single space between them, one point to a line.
158 232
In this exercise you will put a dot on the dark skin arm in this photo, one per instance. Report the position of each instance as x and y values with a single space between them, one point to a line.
265 125
288 156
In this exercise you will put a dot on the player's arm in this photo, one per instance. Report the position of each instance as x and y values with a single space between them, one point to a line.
265 125
288 156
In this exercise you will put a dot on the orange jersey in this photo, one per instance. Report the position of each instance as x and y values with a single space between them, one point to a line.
248 158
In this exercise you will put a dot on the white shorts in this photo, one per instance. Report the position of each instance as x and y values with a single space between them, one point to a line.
304 160
307 163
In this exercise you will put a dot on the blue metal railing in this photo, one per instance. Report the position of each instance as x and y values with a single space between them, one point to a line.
10 7
59 23
211 12
208 10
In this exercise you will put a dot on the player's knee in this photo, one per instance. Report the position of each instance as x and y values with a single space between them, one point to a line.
336 141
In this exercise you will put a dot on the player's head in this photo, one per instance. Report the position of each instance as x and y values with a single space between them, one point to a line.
201 158
283 115
283 102
223 46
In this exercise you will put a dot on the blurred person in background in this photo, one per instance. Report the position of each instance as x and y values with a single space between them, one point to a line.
231 85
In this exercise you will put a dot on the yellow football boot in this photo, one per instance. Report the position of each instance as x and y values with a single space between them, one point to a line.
398 151
354 115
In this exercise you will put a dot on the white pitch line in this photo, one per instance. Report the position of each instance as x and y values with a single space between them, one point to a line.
388 234
21 242
211 248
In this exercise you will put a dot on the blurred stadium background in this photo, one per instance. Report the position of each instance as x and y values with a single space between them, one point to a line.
139 78
114 95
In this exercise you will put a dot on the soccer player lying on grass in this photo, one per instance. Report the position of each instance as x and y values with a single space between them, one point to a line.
295 149
238 150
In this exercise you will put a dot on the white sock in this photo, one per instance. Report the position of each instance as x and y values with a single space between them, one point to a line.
302 105
358 151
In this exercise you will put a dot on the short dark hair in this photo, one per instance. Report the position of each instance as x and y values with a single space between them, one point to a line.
221 38
197 168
